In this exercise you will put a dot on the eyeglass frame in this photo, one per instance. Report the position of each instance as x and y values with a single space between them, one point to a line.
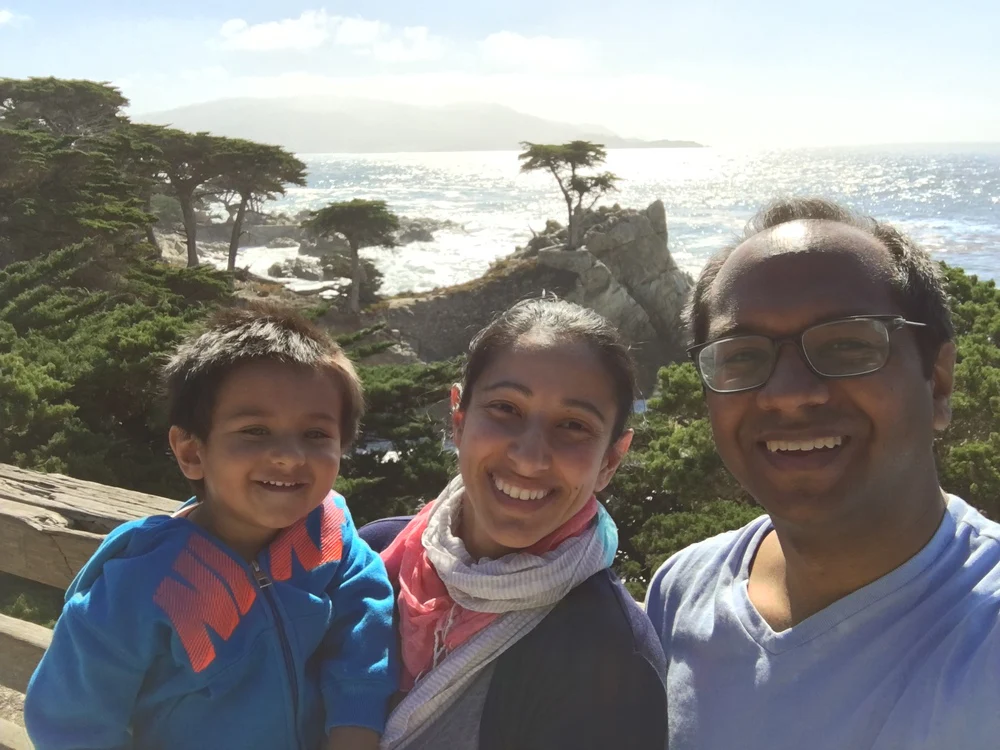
892 324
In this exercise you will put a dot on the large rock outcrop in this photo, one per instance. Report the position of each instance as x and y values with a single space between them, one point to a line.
623 271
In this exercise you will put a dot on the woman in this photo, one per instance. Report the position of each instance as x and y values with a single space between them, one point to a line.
514 632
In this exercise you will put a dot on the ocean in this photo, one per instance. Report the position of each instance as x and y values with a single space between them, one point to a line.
946 197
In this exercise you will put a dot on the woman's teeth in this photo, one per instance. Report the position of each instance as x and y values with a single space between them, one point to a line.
517 492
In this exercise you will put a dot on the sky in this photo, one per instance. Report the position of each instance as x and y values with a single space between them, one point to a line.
722 72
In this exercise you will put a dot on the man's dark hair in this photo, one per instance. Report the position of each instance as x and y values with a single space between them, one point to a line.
564 322
917 285
256 333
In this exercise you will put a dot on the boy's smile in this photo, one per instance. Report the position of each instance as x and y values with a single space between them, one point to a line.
272 453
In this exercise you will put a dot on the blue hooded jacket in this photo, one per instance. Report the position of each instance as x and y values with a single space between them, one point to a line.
168 639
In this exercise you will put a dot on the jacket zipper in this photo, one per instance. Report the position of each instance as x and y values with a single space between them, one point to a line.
264 583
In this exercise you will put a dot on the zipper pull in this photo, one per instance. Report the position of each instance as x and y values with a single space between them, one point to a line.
262 580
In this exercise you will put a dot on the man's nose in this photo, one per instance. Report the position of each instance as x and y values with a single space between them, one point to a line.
792 385
530 451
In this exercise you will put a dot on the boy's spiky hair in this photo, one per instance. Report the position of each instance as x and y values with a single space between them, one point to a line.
255 333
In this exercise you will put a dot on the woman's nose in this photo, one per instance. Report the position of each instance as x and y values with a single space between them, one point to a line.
530 451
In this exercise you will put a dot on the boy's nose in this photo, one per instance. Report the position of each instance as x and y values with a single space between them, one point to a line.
287 451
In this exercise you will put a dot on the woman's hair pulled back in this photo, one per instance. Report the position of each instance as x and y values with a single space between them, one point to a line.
563 322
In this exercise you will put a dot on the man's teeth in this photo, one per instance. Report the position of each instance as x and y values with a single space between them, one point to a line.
517 493
280 484
804 445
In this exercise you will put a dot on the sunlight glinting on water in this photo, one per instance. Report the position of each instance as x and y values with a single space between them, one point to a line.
947 198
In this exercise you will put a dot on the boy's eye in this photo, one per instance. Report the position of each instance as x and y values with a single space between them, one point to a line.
317 435
257 431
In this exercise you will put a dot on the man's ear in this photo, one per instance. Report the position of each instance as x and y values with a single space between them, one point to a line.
188 452
943 384
457 415
612 459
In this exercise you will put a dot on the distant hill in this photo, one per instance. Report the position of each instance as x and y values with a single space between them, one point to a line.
341 125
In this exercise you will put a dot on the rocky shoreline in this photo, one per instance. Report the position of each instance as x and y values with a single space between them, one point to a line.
623 270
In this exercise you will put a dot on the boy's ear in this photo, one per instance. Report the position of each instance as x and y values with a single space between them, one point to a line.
187 450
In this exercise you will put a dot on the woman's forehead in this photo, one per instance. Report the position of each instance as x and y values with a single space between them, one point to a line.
567 369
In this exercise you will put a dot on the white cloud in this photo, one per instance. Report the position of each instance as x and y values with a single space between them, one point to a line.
315 28
415 43
308 31
356 32
505 49
10 18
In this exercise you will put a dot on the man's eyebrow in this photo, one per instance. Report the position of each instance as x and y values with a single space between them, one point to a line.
743 329
729 331
577 403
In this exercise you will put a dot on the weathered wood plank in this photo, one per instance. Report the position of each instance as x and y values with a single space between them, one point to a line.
40 545
13 737
87 505
22 645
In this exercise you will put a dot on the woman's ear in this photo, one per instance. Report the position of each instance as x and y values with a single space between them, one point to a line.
187 450
457 415
612 459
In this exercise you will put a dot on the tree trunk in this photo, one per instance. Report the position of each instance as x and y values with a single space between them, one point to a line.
234 241
355 299
190 227
150 234
571 242
151 239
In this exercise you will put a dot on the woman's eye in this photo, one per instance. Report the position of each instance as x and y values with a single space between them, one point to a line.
502 407
575 425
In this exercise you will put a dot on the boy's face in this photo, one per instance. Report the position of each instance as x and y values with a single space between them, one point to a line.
272 453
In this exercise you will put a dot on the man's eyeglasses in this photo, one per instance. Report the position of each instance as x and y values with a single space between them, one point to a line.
844 348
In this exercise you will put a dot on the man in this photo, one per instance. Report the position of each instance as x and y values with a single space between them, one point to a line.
863 611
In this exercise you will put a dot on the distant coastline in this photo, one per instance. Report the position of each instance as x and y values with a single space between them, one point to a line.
326 125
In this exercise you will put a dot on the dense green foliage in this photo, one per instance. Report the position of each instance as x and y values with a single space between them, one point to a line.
88 314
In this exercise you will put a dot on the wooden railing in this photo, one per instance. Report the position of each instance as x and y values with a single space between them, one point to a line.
50 525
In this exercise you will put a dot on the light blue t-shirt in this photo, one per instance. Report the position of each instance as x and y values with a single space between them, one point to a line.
910 661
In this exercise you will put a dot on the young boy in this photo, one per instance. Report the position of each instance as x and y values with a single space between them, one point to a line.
254 617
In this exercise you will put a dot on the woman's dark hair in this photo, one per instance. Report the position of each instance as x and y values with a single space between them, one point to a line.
564 322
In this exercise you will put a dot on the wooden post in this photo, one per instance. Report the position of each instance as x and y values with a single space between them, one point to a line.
13 737
22 645
51 524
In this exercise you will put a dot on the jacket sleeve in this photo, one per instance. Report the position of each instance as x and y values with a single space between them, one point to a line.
360 669
83 693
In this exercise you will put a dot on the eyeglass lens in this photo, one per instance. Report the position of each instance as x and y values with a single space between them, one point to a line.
838 349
